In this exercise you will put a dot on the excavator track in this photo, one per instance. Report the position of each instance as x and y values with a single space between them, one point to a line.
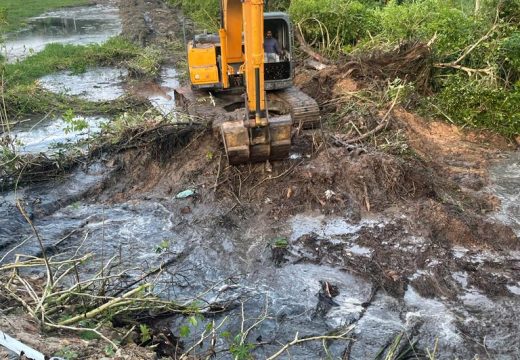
304 110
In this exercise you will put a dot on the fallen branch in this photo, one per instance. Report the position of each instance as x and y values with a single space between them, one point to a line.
470 71
306 48
40 241
297 340
114 302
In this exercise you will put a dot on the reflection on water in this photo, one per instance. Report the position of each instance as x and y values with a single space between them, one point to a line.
41 134
79 26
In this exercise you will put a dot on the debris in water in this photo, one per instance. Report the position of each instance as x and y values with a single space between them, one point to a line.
185 194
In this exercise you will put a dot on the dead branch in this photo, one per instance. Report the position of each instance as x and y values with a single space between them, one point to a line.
40 241
297 340
381 126
306 48
456 63
112 303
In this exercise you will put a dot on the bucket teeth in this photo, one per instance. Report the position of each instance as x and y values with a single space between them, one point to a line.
258 144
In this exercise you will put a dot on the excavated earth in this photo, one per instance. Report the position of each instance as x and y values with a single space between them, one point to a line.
422 243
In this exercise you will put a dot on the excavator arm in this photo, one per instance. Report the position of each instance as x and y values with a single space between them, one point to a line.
257 137
245 18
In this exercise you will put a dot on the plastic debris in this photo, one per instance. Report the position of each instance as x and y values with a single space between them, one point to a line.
18 349
185 194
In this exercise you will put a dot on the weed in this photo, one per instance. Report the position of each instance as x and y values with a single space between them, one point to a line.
241 350
163 246
67 353
280 242
74 123
146 334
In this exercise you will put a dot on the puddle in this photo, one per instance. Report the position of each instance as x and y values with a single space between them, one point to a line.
505 184
99 84
42 135
78 26
514 289
162 96
326 226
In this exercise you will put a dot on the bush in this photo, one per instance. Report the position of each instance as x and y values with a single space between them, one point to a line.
205 13
483 106
454 29
510 57
334 23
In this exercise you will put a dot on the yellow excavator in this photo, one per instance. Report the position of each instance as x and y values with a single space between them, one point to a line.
252 102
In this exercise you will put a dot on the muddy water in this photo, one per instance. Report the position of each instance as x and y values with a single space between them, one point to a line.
207 249
98 84
505 177
163 98
79 26
48 135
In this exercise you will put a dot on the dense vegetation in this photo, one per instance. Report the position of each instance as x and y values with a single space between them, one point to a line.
475 57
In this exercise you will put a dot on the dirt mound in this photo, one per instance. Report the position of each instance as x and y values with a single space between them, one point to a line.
408 62
148 21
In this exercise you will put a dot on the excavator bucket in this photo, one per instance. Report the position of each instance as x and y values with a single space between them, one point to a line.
243 144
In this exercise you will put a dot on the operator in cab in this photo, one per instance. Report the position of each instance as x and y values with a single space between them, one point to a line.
272 49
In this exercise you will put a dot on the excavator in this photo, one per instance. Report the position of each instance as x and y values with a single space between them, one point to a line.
253 103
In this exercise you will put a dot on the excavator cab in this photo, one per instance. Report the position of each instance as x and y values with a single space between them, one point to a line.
279 74
205 59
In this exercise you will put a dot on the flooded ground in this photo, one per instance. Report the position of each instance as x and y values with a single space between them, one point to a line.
78 26
98 84
163 96
232 264
49 134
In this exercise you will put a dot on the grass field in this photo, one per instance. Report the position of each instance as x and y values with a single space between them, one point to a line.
17 11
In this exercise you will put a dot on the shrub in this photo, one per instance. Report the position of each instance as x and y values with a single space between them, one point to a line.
334 23
484 106
205 13
454 29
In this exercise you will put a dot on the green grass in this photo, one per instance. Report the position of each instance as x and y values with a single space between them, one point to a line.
24 96
56 57
19 11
